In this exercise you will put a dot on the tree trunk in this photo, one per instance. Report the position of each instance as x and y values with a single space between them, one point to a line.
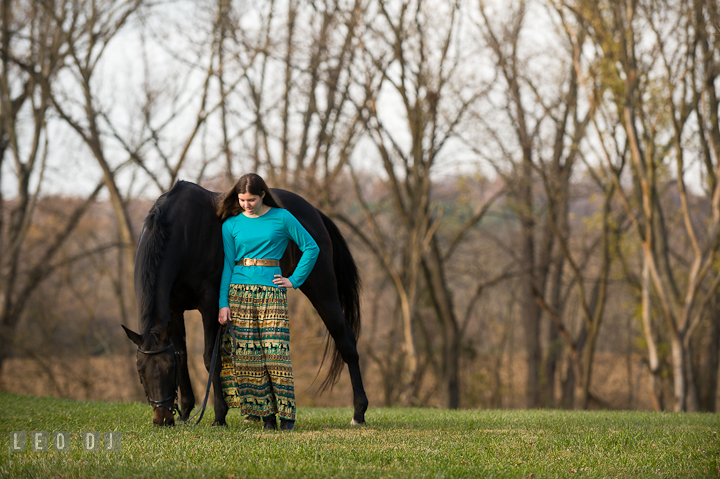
530 310
708 373
554 349
677 352
588 354
8 329
692 400
433 268
653 356
567 401
408 393
552 359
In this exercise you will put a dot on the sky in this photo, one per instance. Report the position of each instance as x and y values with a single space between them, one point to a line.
152 52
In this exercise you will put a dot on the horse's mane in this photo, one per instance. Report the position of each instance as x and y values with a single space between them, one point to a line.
149 256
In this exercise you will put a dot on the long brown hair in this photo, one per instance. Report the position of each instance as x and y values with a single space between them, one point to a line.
252 183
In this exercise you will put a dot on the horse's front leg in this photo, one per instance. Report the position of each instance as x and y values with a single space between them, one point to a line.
211 327
187 397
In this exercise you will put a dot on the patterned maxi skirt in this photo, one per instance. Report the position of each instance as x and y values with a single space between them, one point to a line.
256 373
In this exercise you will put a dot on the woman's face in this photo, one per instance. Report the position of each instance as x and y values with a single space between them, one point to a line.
252 204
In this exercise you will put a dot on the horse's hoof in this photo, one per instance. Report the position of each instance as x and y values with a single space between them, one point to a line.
356 423
165 423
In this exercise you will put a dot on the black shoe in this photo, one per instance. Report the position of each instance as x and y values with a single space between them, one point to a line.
252 419
286 425
270 423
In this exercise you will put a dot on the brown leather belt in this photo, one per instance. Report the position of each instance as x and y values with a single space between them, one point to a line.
257 262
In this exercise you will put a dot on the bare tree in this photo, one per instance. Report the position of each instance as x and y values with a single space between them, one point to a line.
415 48
548 121
682 69
34 51
304 123
78 103
203 74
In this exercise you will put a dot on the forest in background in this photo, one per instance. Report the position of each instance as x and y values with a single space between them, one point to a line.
530 190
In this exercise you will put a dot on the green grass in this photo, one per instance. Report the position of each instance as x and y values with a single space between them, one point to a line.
396 443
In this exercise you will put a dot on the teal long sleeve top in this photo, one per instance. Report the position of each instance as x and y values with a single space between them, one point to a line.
264 237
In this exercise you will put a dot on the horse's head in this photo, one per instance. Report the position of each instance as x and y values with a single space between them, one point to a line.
157 367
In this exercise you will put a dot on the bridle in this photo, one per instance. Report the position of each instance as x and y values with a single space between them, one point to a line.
175 409
156 403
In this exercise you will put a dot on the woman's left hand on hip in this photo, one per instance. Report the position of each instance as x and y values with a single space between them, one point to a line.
282 282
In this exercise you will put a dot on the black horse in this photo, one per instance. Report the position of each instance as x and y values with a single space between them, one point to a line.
178 266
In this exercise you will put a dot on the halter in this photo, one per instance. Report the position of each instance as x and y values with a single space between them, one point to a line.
155 403
174 409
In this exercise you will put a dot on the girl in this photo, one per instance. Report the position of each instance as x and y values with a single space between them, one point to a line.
256 372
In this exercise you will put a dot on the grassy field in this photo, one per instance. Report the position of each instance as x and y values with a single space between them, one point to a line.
395 443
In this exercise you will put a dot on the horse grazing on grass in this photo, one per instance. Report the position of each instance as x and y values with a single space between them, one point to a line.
178 266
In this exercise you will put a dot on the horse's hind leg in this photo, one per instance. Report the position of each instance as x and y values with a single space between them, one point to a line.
332 315
187 398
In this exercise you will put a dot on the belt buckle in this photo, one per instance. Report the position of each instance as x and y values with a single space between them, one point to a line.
249 262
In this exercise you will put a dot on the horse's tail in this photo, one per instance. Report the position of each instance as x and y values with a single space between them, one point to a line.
347 278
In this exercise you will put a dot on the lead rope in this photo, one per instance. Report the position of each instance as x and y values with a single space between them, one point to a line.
201 411
233 344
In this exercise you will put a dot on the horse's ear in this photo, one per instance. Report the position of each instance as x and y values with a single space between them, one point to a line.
134 337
